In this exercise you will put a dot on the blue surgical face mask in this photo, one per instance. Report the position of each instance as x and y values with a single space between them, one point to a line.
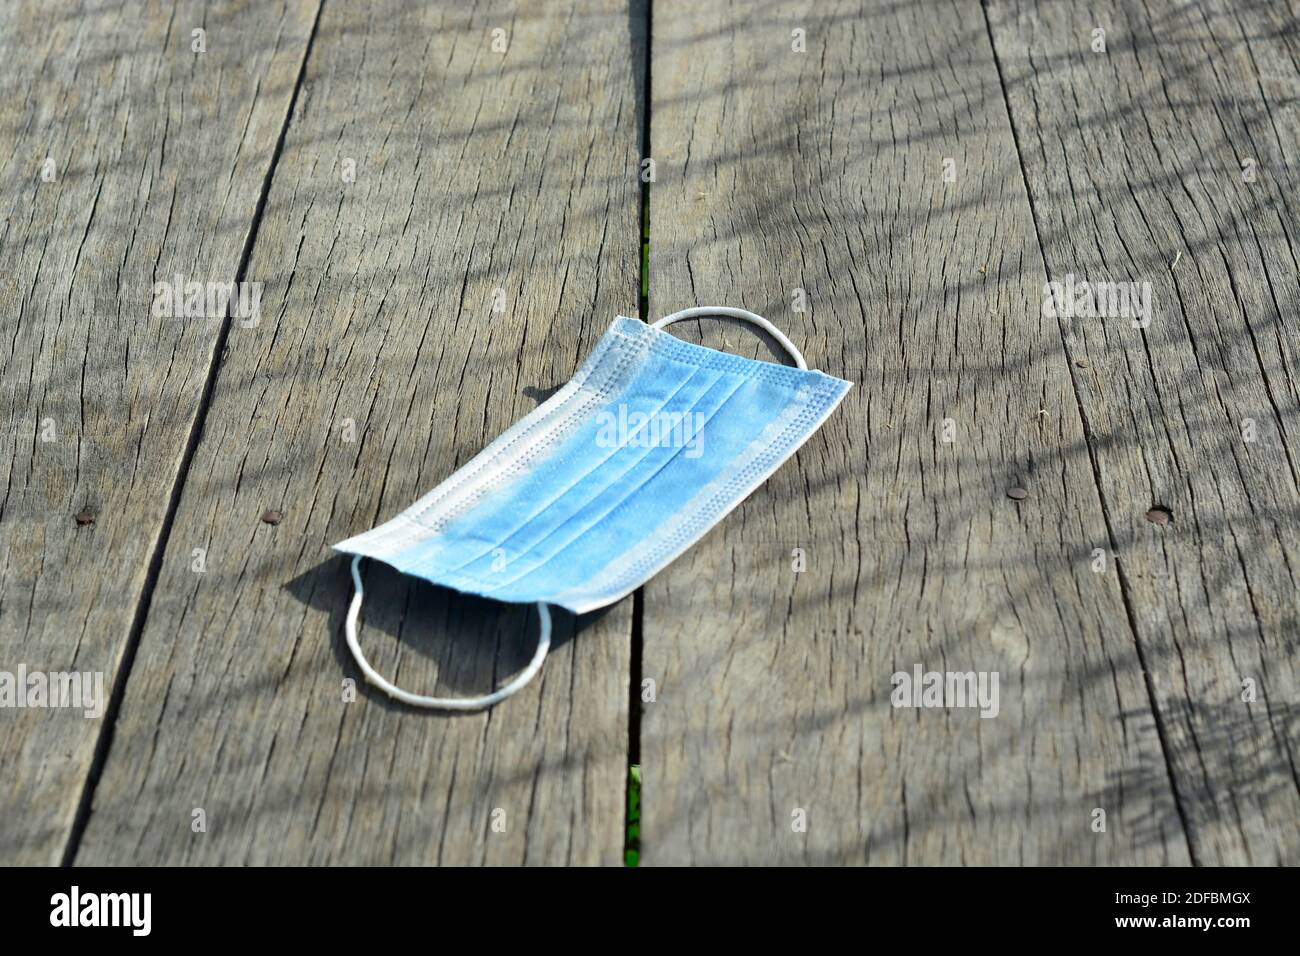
586 498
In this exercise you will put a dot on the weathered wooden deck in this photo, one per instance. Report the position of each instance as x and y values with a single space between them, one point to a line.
1171 158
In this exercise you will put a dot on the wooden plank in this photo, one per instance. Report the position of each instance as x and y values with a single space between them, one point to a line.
823 171
157 159
1170 159
476 170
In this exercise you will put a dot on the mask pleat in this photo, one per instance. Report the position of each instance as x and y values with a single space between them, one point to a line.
575 474
650 495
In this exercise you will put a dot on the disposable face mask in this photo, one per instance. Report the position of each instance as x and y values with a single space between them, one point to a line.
601 486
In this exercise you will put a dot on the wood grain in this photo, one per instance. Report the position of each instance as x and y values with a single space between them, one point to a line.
476 170
1170 159
158 156
823 171
447 229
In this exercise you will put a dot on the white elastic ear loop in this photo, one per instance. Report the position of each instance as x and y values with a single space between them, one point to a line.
712 311
441 703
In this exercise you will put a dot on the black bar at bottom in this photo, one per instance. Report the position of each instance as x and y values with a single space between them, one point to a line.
382 907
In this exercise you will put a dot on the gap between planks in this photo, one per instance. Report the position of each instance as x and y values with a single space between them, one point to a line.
104 742
1126 594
